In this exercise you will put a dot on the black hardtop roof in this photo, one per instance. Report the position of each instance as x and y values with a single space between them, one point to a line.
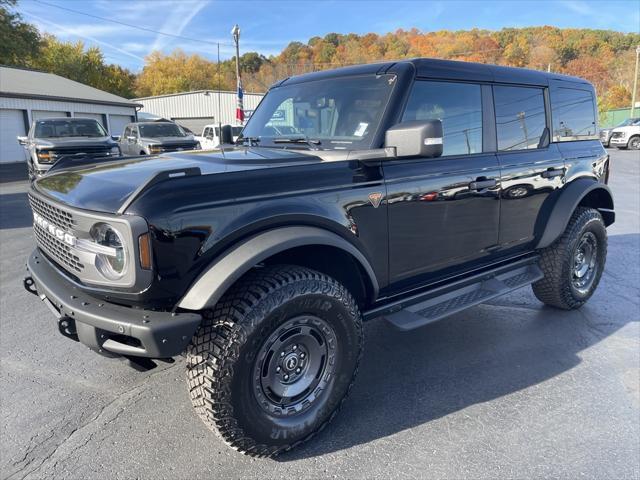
445 70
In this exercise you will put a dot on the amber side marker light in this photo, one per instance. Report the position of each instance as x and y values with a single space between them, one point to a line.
144 245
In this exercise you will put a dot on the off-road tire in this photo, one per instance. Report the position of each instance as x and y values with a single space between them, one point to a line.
222 355
557 289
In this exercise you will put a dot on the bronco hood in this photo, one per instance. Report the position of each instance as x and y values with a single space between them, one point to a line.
107 186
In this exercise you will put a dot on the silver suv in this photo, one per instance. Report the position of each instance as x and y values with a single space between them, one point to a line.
51 139
147 138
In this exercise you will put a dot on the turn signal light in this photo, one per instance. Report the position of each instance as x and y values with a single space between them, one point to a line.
144 246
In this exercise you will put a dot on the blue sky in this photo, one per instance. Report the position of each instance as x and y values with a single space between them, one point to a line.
268 26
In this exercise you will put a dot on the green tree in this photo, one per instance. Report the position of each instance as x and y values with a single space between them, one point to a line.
73 61
20 41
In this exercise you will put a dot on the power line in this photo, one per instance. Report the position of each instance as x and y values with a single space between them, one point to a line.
144 29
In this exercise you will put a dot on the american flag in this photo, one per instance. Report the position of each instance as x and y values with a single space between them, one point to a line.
239 106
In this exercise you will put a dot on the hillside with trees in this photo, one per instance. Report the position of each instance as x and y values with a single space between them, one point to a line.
606 58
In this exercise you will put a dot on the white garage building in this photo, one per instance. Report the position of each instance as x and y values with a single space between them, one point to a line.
196 109
26 95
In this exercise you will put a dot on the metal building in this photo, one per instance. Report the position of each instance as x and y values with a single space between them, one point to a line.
196 109
27 95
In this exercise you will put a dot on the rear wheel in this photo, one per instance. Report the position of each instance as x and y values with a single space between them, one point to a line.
276 358
573 265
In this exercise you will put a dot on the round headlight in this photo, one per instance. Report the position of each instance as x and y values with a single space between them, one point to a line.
111 265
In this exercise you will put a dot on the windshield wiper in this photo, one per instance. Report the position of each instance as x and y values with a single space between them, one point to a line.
313 143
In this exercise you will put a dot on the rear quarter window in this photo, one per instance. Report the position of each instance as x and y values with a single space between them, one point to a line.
574 114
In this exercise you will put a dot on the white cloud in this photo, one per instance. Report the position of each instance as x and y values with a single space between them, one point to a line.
58 29
177 22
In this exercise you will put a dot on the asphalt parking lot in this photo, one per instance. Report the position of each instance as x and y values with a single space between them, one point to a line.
509 389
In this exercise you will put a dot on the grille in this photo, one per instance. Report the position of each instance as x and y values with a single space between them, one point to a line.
58 250
173 148
616 135
79 150
52 214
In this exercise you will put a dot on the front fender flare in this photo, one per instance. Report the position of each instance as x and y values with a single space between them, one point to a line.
567 201
226 270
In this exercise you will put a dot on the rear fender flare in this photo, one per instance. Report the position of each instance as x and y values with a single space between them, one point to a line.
568 200
227 269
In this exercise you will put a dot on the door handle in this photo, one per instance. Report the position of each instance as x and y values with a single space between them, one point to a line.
552 172
482 183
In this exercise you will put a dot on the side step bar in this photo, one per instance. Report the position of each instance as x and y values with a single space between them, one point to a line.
433 305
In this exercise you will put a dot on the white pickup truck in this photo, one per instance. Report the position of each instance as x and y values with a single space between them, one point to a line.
626 135
210 138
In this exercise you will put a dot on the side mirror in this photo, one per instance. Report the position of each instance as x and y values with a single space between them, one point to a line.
115 137
131 138
22 140
226 135
421 138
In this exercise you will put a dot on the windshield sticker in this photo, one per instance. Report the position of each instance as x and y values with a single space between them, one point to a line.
362 127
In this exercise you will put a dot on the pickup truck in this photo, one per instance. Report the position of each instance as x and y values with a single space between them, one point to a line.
605 133
210 138
626 135
52 139
406 190
147 138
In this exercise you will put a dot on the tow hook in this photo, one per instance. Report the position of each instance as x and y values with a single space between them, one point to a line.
30 285
67 327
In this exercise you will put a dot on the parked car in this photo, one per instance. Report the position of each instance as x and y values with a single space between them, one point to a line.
626 135
210 138
147 138
51 139
407 190
605 133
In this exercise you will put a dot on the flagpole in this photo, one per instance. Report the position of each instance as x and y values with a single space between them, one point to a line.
240 107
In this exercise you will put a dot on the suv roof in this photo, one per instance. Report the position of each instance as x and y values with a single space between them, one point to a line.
443 69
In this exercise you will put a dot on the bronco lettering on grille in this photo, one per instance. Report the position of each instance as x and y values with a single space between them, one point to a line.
54 230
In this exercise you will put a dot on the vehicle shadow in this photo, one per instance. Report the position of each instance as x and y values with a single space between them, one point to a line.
411 378
14 211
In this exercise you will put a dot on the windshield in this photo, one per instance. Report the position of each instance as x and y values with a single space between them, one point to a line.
628 121
154 130
69 128
339 113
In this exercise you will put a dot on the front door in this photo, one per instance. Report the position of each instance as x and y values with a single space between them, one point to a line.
444 213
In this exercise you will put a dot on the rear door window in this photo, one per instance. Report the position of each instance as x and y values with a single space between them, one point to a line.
457 105
520 117
574 114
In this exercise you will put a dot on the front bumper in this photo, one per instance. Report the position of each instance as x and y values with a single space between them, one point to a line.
107 328
618 142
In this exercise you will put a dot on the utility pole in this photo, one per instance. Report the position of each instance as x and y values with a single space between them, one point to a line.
239 107
635 84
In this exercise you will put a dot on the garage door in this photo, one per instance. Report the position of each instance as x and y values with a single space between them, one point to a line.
96 116
11 126
38 114
118 123
196 125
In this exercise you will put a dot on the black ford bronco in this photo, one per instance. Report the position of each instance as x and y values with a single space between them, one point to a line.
405 190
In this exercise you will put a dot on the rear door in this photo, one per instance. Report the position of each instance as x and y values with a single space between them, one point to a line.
444 212
532 167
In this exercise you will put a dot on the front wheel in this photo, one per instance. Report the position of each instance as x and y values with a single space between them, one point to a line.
573 265
276 358
634 143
